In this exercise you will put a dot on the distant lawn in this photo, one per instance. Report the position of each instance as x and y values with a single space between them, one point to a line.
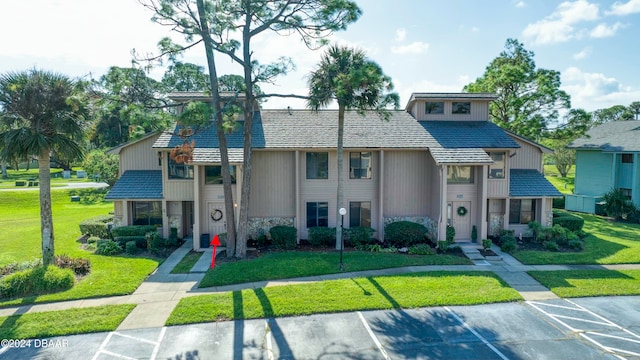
20 241
378 292
608 243
579 283
564 184
23 174
187 262
291 264
63 322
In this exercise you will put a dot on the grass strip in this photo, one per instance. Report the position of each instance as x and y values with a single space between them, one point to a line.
367 293
187 262
286 265
63 322
582 283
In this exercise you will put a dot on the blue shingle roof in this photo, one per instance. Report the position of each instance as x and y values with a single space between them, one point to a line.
469 134
530 183
137 184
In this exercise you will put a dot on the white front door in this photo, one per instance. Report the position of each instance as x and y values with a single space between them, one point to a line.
217 218
462 223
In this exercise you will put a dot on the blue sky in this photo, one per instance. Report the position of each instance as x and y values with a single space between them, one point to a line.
425 46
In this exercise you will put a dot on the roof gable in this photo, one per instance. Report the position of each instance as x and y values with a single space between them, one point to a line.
137 184
469 134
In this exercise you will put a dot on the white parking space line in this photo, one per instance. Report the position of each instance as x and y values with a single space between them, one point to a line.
477 334
157 347
101 348
103 351
373 336
590 334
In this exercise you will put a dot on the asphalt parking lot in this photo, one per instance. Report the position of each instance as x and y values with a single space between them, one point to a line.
585 328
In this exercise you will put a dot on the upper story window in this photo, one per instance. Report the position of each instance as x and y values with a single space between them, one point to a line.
460 174
360 165
213 174
496 170
627 158
434 107
317 165
179 170
461 108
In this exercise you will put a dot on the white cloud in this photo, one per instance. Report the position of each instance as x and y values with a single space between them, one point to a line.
603 30
582 54
401 35
475 29
622 8
521 4
560 25
592 91
416 47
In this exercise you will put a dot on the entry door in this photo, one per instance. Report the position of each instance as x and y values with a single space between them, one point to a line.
217 218
462 223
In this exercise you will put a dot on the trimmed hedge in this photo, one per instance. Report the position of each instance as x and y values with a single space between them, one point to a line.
140 241
359 236
569 221
284 237
405 233
133 230
322 236
36 281
107 247
96 226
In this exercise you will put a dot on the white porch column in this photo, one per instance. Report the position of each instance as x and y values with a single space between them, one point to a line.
381 198
196 208
483 204
237 197
296 221
635 181
442 225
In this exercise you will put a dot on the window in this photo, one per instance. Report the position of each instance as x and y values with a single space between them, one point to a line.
461 108
627 158
213 174
360 213
522 211
317 214
317 165
496 170
460 175
626 192
179 170
434 107
147 212
360 165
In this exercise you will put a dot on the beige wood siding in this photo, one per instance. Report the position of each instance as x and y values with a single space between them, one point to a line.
498 188
273 184
527 157
479 111
407 182
139 156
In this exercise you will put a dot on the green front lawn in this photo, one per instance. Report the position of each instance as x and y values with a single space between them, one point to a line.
608 243
20 241
378 292
564 184
63 322
56 178
579 283
187 262
284 265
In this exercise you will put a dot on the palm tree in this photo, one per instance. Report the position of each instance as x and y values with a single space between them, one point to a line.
42 112
346 76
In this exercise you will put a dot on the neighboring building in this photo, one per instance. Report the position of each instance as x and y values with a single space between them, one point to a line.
606 159
439 162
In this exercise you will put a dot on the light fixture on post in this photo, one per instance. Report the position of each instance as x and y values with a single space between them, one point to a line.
342 213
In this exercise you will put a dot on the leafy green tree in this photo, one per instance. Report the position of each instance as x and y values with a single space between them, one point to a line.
528 98
613 113
181 76
43 111
634 108
98 162
346 76
218 24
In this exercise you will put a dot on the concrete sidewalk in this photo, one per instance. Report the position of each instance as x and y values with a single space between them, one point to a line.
158 295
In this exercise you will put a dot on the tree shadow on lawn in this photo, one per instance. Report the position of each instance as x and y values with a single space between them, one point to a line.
559 279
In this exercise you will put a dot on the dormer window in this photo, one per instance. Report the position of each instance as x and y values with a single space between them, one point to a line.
435 107
461 108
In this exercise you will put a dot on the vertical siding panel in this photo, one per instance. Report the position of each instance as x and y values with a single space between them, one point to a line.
273 184
527 157
139 156
407 185
593 168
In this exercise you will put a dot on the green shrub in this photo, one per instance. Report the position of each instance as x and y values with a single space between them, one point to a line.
443 245
451 234
569 221
107 247
405 233
96 226
92 239
508 243
322 236
558 203
283 237
359 235
154 241
21 183
575 244
36 281
486 244
421 249
581 234
131 247
557 234
14 266
140 240
551 245
616 204
474 233
133 230
80 266
536 229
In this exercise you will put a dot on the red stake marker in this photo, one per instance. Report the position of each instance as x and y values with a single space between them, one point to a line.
215 242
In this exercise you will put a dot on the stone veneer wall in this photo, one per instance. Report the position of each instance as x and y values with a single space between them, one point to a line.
261 225
431 225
